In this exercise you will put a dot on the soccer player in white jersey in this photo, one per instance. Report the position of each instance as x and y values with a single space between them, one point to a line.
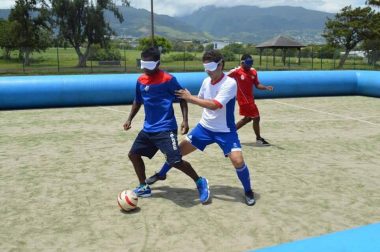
217 125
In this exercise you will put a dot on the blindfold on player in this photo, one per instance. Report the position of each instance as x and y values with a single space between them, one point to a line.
150 65
211 66
248 62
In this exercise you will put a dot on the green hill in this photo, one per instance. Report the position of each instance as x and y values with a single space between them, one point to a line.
254 24
248 24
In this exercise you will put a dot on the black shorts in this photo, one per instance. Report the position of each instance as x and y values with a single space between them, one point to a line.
147 144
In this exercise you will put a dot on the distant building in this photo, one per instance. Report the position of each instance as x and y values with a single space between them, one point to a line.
218 44
361 54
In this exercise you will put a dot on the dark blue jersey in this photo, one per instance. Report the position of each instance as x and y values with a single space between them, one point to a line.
156 92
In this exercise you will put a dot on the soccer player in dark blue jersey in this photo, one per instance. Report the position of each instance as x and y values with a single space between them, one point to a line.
155 89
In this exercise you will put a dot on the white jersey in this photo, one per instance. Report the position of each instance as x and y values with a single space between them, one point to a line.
222 93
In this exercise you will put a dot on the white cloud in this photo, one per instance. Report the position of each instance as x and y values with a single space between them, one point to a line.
181 7
7 4
175 7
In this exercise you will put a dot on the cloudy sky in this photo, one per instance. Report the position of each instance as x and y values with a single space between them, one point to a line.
180 7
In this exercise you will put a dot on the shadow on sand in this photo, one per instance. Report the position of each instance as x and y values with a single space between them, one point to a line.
186 198
262 146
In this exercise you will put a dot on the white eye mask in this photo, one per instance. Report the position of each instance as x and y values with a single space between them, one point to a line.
150 65
211 66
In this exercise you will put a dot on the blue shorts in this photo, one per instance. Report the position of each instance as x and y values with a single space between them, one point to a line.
201 137
147 144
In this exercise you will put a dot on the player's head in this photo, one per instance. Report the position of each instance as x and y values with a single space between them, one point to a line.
246 61
150 60
213 62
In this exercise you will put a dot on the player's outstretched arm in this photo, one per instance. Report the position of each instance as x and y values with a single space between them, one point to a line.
186 95
263 87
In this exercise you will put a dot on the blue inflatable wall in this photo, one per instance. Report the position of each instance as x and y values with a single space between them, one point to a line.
111 89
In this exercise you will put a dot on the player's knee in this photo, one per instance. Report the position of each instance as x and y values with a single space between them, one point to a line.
247 119
178 164
174 160
238 163
237 159
132 156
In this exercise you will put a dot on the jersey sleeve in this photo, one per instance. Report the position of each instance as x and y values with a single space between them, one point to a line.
256 80
138 97
202 90
174 86
232 73
226 92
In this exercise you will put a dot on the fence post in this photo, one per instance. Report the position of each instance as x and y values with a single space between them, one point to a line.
334 58
57 59
374 56
184 58
125 60
23 62
312 58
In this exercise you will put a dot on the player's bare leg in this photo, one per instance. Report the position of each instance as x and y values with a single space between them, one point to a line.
243 122
139 166
256 129
142 190
185 147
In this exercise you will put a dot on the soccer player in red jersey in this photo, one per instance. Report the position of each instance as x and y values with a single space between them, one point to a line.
246 78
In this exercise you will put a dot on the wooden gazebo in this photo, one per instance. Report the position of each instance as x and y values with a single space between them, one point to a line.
283 43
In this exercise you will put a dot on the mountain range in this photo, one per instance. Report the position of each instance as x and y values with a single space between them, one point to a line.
249 24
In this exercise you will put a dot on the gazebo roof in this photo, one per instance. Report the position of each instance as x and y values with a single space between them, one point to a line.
280 42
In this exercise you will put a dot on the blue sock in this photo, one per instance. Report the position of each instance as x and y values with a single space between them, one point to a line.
243 174
164 169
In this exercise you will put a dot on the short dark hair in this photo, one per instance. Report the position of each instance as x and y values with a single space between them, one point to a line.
246 56
212 55
151 52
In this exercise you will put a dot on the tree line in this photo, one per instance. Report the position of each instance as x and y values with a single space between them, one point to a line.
35 25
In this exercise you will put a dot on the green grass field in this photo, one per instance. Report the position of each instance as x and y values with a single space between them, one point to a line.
49 62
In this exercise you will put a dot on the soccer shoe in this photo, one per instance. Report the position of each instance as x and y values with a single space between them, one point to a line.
261 141
153 179
203 189
143 191
250 198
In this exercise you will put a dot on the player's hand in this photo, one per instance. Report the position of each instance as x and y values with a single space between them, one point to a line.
127 125
184 127
183 94
270 88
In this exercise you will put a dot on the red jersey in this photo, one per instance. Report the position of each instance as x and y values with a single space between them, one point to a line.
245 81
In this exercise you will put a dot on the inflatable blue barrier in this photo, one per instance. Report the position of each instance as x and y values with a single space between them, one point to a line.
362 239
21 92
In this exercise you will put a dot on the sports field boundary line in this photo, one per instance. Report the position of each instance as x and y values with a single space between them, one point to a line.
283 120
324 112
115 110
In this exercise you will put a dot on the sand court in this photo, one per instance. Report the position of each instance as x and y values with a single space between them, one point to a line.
61 171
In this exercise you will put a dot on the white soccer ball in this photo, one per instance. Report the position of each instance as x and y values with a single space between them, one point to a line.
127 200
